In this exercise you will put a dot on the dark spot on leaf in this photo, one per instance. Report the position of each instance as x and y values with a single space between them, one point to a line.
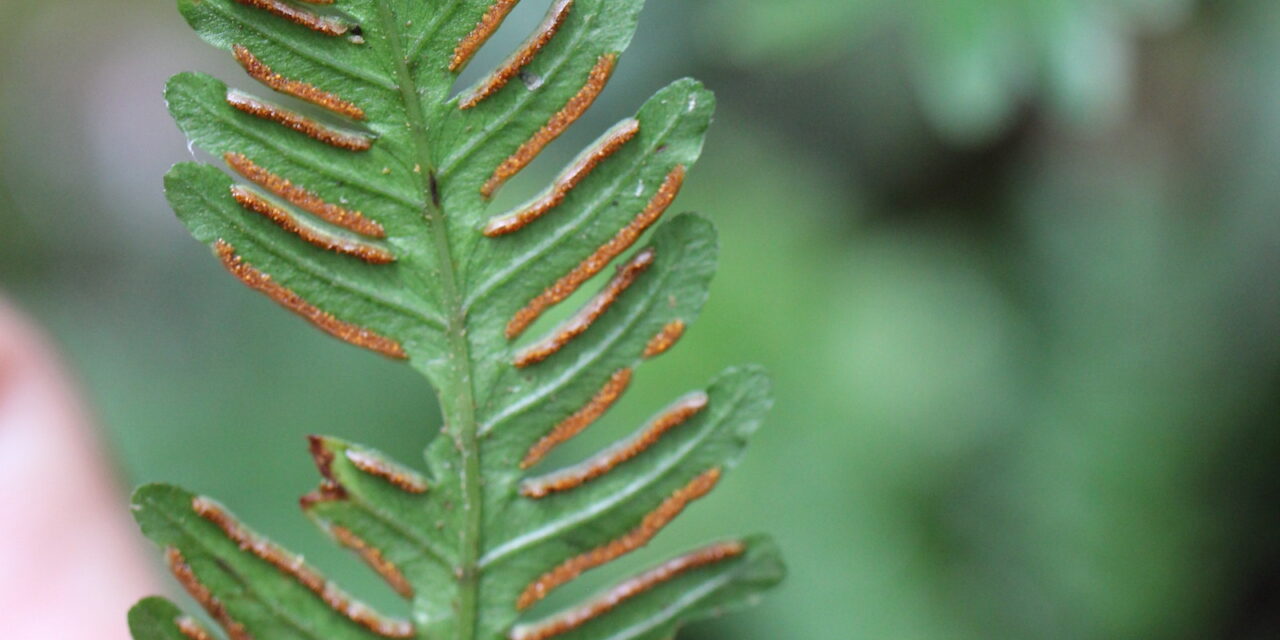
434 185
532 81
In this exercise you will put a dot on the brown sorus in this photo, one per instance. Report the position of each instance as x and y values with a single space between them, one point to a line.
286 298
330 489
665 339
188 627
521 58
581 419
613 598
621 241
286 220
581 321
373 557
654 522
557 125
259 71
572 177
607 460
398 476
295 568
201 594
487 26
353 221
320 24
299 123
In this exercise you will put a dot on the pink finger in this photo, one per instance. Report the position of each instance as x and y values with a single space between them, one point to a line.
71 563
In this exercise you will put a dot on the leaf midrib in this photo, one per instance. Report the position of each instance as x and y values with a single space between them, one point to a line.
457 382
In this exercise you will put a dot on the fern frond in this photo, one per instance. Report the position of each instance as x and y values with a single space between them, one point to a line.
357 195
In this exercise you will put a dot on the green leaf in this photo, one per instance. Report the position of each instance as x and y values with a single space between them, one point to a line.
159 619
358 195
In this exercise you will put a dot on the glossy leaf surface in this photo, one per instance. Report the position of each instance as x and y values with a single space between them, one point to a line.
356 194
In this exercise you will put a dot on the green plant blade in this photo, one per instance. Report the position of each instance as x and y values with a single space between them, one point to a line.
357 194
265 590
608 506
401 534
655 614
158 619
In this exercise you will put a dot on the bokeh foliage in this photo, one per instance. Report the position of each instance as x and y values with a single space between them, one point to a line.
1026 374
972 63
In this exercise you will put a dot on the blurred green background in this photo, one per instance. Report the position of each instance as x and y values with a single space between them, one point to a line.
1012 262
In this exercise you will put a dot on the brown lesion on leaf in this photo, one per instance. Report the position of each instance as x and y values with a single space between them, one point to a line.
295 568
261 72
348 219
583 319
330 489
329 26
373 557
286 298
649 527
558 124
621 241
521 58
326 492
398 476
565 183
620 594
299 123
201 594
433 185
581 419
488 25
665 339
607 460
